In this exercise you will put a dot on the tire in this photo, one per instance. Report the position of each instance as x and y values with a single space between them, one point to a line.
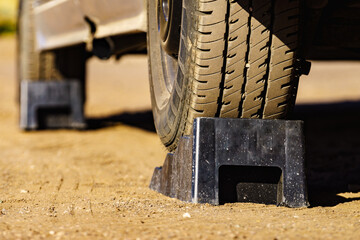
33 65
235 60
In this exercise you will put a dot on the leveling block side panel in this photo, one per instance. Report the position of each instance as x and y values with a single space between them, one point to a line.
174 178
51 104
237 160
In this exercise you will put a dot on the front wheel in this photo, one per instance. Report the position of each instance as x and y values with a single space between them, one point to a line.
232 59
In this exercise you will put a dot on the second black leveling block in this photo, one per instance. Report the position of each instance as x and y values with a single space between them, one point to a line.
51 104
237 160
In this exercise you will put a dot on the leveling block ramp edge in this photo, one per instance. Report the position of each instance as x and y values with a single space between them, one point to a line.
51 104
237 160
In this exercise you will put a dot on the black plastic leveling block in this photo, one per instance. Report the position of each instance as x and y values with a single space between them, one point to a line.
237 160
51 104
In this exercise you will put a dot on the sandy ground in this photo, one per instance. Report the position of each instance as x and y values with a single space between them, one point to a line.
94 183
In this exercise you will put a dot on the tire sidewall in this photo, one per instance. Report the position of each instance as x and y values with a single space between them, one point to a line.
169 119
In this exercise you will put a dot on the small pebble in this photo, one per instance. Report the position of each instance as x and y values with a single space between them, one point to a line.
186 215
24 191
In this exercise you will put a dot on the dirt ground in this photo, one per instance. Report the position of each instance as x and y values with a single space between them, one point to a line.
94 184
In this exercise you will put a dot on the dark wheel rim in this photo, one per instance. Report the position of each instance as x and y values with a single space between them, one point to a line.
165 47
169 22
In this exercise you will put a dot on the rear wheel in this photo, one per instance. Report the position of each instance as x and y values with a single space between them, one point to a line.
33 65
235 59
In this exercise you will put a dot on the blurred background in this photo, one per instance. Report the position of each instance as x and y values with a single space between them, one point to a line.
8 10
